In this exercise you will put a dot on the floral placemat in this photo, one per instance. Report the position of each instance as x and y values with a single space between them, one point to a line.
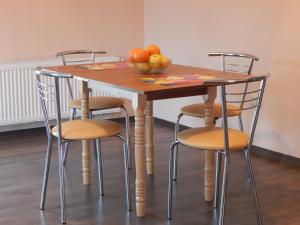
177 79
107 66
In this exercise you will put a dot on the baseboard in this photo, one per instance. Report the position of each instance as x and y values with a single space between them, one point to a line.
168 123
276 156
263 152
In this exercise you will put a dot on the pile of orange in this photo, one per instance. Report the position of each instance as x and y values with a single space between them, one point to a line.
149 58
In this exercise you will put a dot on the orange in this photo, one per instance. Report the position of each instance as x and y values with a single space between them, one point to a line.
131 54
153 49
140 55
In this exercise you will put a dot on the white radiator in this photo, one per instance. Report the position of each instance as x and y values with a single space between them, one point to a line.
19 102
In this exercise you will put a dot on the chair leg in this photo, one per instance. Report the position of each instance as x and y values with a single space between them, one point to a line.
223 191
95 150
247 165
218 163
253 187
240 123
66 152
73 114
127 174
170 188
61 184
100 170
176 148
67 143
94 141
46 174
127 135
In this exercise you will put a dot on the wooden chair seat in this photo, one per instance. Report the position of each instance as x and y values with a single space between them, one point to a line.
87 129
213 138
98 103
197 110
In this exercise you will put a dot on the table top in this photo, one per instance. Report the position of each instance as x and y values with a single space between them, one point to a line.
129 79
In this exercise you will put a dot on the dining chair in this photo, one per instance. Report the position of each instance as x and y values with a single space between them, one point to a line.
96 103
231 62
48 87
223 140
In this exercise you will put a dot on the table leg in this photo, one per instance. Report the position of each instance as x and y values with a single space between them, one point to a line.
149 138
86 157
139 138
209 155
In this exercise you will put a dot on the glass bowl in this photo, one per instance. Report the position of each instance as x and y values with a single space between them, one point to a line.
145 68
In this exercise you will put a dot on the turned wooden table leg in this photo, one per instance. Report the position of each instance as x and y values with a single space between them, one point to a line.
139 138
86 157
209 155
149 138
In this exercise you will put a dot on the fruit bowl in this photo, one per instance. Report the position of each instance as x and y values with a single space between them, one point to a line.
151 68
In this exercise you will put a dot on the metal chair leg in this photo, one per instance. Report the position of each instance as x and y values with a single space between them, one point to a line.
224 191
247 165
176 148
240 123
67 143
66 152
127 174
95 150
170 188
127 135
46 174
73 114
253 187
94 141
100 170
61 184
218 163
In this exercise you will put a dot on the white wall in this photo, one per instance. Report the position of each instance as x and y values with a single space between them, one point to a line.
188 30
37 29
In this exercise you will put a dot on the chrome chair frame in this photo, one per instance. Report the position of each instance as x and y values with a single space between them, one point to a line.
248 71
226 153
92 53
51 93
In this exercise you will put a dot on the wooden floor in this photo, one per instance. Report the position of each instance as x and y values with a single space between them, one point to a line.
21 165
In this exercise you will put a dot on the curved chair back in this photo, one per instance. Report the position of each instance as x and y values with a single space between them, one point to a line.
77 57
236 62
48 90
248 100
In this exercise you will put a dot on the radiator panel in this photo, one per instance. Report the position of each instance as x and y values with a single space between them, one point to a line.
18 95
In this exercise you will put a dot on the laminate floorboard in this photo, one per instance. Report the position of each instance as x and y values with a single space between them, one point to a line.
21 165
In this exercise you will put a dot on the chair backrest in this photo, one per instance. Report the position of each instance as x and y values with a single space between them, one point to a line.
236 62
77 57
48 91
250 100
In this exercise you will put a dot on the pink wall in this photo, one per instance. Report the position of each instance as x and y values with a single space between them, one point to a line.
188 30
34 29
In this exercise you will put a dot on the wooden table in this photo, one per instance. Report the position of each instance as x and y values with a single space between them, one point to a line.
126 83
